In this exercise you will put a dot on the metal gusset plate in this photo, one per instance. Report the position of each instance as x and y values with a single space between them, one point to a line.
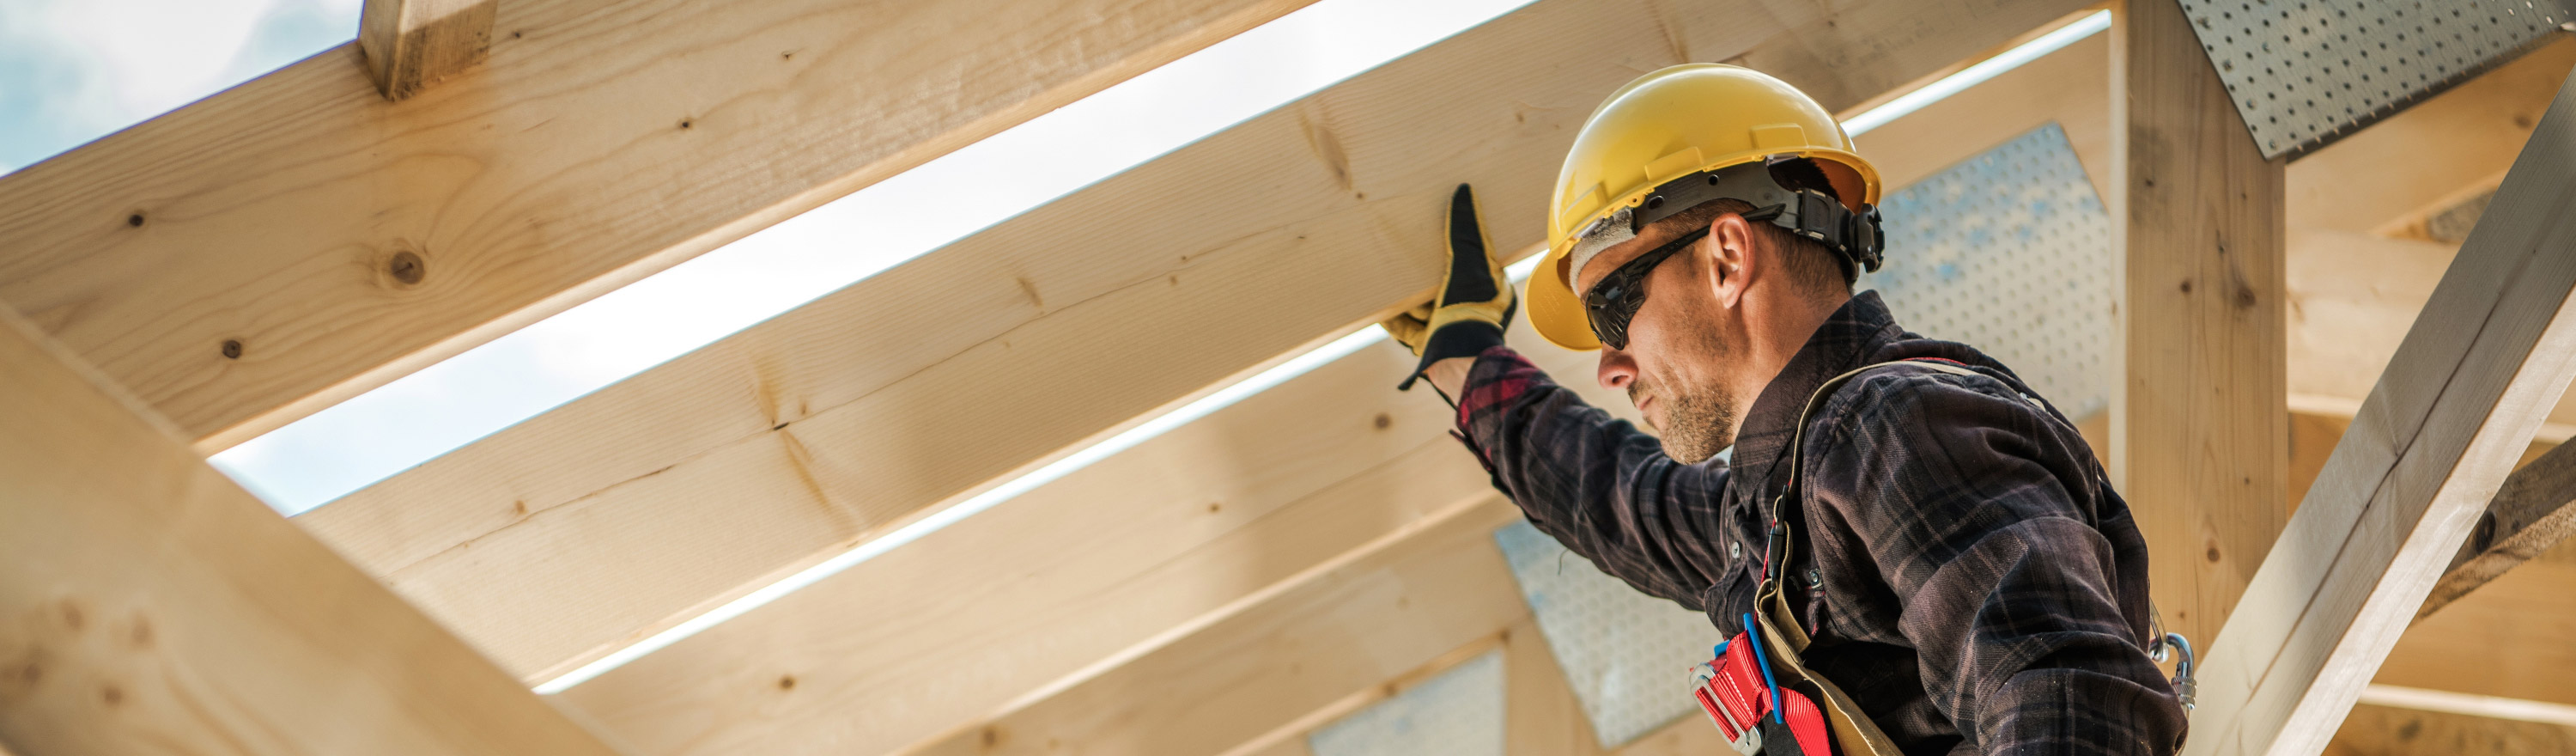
2306 72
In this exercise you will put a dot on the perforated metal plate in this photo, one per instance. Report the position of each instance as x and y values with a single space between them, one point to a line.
1458 713
1626 654
2304 72
2010 251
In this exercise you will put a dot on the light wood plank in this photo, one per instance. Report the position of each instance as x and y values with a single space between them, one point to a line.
2385 731
2432 443
2461 139
1177 529
1181 527
2066 87
857 413
2509 638
335 240
2533 512
1329 643
411 44
154 607
2199 422
1541 716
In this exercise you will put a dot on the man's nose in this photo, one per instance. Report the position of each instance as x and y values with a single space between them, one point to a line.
1616 370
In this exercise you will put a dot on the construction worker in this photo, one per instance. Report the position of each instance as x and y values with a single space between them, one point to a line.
1928 543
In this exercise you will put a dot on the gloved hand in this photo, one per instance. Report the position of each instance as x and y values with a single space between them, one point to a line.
1475 300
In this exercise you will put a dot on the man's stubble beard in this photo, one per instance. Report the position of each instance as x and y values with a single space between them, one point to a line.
1699 421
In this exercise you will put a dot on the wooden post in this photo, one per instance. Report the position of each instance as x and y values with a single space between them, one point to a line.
2200 423
410 44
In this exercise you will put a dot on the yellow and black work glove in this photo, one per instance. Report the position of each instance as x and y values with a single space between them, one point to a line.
1475 300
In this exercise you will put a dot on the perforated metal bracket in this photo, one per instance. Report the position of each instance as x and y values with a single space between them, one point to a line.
2304 73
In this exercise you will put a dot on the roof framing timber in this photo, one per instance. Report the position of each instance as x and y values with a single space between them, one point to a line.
411 44
2533 512
291 242
1418 602
868 408
1188 526
2200 421
2493 348
154 607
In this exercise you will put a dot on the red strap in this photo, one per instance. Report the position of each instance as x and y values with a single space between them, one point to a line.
1806 722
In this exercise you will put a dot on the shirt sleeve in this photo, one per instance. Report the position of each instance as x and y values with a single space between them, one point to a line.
1594 482
2008 587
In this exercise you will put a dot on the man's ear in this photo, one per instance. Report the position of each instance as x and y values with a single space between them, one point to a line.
1729 257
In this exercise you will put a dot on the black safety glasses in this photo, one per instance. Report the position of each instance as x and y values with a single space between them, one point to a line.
1614 301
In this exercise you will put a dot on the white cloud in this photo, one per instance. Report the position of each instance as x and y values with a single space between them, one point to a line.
74 70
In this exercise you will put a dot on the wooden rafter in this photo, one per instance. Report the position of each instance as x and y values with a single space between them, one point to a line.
2506 639
1420 601
154 607
2533 512
283 245
1171 532
783 445
2492 349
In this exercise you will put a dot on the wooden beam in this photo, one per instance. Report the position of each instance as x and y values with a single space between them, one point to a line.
2199 422
2352 286
2387 731
2065 87
411 44
1414 604
1541 715
831 424
2433 441
1182 528
155 607
2507 639
2533 512
2428 154
2528 517
291 242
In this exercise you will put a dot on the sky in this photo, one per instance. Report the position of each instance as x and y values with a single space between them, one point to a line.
75 70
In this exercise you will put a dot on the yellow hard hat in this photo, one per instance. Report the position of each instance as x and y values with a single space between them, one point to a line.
1682 122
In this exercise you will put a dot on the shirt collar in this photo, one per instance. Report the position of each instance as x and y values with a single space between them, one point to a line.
1859 329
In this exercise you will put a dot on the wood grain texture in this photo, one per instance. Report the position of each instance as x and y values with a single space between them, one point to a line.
2199 420
148 605
1541 715
1175 530
2493 347
2353 288
2463 138
2386 731
409 44
1414 605
340 240
2508 638
2067 87
861 411
2533 512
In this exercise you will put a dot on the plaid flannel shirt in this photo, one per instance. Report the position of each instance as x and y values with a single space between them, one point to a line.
1969 576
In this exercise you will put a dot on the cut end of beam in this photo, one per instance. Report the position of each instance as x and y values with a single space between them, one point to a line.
410 44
